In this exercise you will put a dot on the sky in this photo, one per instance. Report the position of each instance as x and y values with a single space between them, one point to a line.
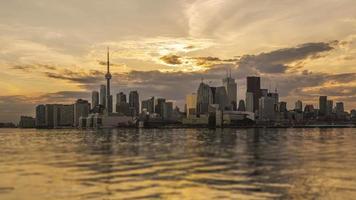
53 51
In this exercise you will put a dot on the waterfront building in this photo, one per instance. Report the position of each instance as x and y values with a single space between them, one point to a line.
298 106
27 122
267 108
323 105
339 108
282 107
49 120
94 99
249 102
167 110
103 95
329 107
148 105
241 106
121 104
40 116
191 104
134 102
110 104
254 87
81 109
205 97
159 106
222 99
231 91
63 115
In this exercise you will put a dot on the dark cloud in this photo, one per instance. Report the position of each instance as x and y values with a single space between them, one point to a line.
90 77
171 59
277 61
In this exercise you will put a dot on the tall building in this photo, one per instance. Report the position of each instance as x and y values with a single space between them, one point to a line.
205 97
329 107
121 104
108 78
94 99
149 105
191 104
121 98
134 102
267 108
282 106
250 102
298 106
339 108
231 90
254 87
159 106
323 105
81 109
27 122
222 99
167 110
103 95
49 115
241 106
110 104
63 115
40 116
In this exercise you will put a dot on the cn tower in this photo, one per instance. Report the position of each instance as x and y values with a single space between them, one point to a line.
108 77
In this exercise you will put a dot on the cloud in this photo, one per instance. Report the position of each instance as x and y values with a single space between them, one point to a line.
171 59
277 61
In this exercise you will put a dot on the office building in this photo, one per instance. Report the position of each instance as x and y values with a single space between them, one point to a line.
254 87
323 105
329 107
63 115
241 106
159 106
103 95
134 102
94 99
27 122
267 108
231 90
110 104
49 114
339 108
282 106
121 104
148 105
298 106
81 109
249 102
204 98
222 99
167 110
41 116
191 104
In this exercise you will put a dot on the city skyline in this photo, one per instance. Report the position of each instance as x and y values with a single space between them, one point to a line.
56 60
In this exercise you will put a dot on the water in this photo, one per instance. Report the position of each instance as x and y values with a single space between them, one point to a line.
178 164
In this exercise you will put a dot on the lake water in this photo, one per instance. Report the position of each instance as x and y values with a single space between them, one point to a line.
178 164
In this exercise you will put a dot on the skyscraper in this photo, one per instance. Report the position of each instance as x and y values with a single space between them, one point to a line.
323 105
339 108
329 107
267 108
94 99
241 106
81 109
159 106
40 116
134 102
221 98
204 98
149 105
108 77
121 104
254 87
231 90
103 95
249 102
63 115
298 106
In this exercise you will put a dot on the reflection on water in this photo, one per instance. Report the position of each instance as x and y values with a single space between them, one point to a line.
178 164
